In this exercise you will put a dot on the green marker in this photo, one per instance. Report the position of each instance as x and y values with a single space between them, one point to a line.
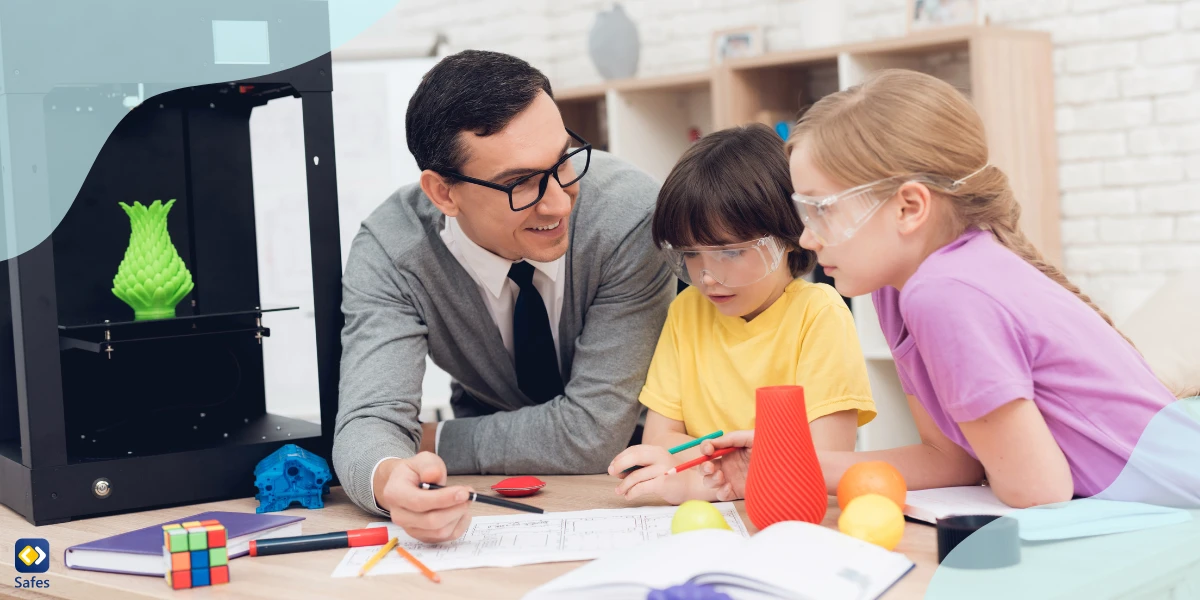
680 448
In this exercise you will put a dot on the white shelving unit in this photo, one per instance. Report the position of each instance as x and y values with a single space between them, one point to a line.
649 127
644 121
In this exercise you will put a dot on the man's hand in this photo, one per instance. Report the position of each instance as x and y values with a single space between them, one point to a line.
728 475
427 515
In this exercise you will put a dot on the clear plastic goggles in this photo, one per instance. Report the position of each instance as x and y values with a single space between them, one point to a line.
734 265
835 219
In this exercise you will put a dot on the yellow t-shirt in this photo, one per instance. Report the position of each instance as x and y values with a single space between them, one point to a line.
707 366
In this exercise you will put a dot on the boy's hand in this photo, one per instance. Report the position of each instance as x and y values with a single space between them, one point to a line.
728 475
655 461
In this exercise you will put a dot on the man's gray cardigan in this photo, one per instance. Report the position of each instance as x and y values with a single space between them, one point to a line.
406 296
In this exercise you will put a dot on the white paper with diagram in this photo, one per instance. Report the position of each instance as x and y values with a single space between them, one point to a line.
524 539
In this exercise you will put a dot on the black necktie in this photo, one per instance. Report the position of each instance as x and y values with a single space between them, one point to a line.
533 344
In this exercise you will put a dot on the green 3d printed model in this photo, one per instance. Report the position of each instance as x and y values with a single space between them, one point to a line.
152 278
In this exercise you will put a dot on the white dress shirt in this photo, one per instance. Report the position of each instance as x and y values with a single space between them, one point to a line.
499 293
490 273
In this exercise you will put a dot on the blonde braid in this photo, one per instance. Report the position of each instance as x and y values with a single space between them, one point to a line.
1008 232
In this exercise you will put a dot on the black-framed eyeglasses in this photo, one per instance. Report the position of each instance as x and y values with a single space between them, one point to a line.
528 190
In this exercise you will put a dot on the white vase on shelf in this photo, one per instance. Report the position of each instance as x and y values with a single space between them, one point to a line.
613 44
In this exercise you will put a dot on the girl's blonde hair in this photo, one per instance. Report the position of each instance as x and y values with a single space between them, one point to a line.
901 122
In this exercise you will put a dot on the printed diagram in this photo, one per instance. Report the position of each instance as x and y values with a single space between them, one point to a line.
512 540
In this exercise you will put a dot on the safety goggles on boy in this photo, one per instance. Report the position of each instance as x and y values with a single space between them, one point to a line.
733 265
836 218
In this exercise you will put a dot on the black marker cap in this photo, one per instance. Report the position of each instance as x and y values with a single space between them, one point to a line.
994 542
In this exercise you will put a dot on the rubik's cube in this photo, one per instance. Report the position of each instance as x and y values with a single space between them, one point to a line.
195 553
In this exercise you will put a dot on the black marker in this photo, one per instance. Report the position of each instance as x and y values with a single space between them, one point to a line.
491 500
372 536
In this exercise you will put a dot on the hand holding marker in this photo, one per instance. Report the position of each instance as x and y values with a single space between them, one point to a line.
490 500
680 448
699 460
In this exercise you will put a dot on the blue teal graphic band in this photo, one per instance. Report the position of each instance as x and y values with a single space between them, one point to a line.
71 70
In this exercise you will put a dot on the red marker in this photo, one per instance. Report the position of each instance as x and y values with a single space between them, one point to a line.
374 536
695 461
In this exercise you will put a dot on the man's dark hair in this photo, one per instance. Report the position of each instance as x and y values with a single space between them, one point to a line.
474 91
732 186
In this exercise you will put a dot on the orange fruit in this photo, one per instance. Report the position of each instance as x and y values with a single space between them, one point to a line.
874 477
873 518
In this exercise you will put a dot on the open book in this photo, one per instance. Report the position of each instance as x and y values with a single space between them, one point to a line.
786 560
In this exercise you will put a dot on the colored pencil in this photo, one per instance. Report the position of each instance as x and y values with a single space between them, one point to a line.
680 448
378 556
703 459
419 565
490 500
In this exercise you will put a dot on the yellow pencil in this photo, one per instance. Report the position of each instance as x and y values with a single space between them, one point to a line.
378 555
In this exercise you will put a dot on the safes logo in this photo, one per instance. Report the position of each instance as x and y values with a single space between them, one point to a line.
33 555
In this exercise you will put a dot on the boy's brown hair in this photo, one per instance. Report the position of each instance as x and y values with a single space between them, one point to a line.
732 186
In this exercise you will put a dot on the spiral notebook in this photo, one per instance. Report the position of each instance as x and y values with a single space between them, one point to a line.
140 552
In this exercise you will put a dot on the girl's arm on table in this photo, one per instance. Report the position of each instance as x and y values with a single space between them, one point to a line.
835 431
934 462
1025 465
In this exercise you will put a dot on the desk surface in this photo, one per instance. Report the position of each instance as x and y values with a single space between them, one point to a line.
307 575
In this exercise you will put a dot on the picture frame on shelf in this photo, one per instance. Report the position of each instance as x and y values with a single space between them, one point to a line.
740 42
932 14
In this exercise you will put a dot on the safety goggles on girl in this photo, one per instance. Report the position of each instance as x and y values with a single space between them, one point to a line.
836 218
732 265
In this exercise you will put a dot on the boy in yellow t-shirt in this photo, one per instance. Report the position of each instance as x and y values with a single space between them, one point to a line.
726 223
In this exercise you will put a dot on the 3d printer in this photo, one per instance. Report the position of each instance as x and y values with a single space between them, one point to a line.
100 413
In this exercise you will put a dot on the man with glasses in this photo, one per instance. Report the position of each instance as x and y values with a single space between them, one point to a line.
521 263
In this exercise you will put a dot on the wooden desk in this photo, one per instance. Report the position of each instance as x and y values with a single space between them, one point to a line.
307 575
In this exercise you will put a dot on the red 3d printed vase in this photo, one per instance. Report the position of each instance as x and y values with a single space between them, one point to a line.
785 482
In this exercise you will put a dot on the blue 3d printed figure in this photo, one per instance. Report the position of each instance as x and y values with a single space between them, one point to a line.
291 474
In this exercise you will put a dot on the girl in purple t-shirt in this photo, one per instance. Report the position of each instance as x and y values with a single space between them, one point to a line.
1012 373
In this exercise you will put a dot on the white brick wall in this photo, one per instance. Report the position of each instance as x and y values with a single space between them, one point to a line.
1127 87
1078 231
1075 146
1177 108
1098 202
1088 58
1077 89
1187 229
1100 116
1145 171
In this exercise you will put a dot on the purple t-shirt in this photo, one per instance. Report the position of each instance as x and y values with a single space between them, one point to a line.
977 327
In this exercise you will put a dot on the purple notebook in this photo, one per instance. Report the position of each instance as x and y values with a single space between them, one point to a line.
140 552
